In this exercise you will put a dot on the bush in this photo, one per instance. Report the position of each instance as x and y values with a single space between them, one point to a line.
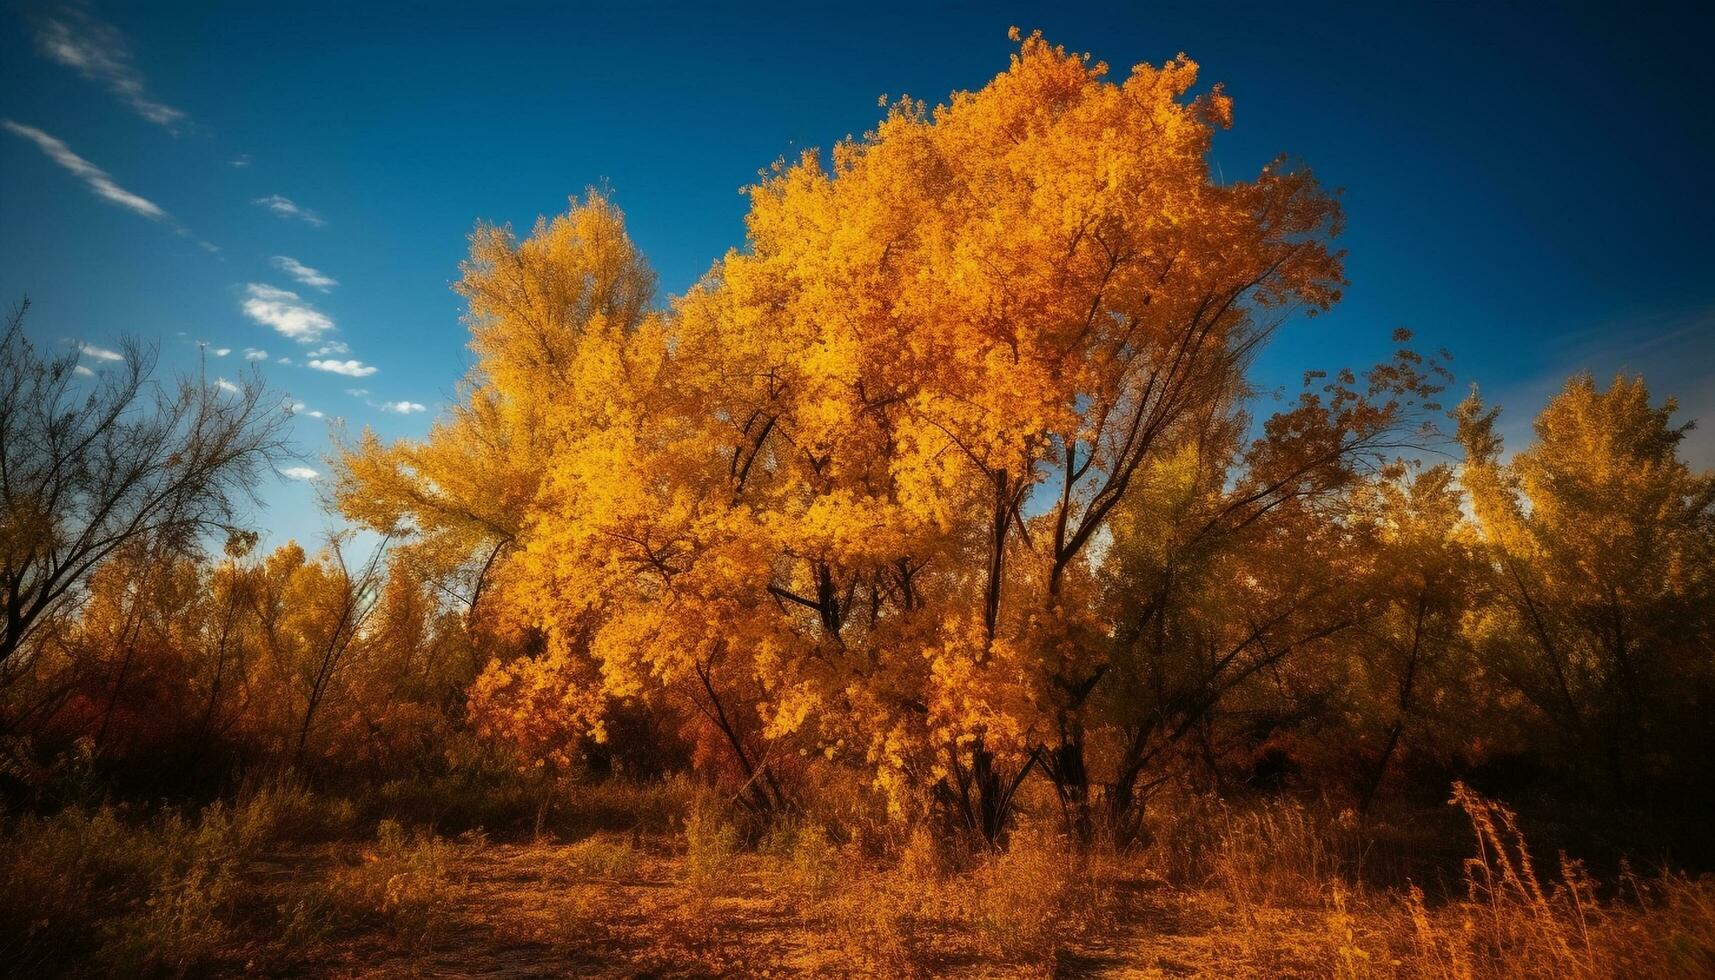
181 925
153 897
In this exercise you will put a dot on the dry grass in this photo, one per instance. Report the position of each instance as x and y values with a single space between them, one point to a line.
1515 922
1242 891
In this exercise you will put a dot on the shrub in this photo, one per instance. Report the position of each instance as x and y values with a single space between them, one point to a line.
151 897
403 882
180 926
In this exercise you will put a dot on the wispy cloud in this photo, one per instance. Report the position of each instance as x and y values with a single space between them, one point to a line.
298 473
97 50
285 207
98 353
83 372
221 351
351 369
286 312
255 354
357 392
93 177
226 386
403 407
241 161
299 408
304 274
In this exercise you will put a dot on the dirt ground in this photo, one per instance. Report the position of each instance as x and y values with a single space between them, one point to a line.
523 910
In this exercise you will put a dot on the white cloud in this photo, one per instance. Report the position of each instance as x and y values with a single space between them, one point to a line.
222 351
299 473
83 371
331 347
283 360
99 353
315 415
242 160
403 407
357 392
285 207
226 386
304 274
286 312
93 177
98 52
255 354
351 369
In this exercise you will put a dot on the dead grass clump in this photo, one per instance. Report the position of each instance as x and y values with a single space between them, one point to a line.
285 809
602 855
711 841
1018 900
651 807
815 858
1514 922
1020 906
805 849
876 926
179 927
1268 854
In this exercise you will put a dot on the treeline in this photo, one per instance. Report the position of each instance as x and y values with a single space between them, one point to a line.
952 482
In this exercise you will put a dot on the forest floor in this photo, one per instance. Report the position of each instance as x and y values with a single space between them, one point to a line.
535 910
625 884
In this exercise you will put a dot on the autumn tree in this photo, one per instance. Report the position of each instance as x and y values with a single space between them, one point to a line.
462 493
1226 560
1602 540
852 491
970 338
310 614
544 312
1412 668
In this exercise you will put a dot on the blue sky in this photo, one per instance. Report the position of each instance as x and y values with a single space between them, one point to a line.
1527 188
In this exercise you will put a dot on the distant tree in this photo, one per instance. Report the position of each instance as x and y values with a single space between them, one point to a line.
1602 540
311 614
89 465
